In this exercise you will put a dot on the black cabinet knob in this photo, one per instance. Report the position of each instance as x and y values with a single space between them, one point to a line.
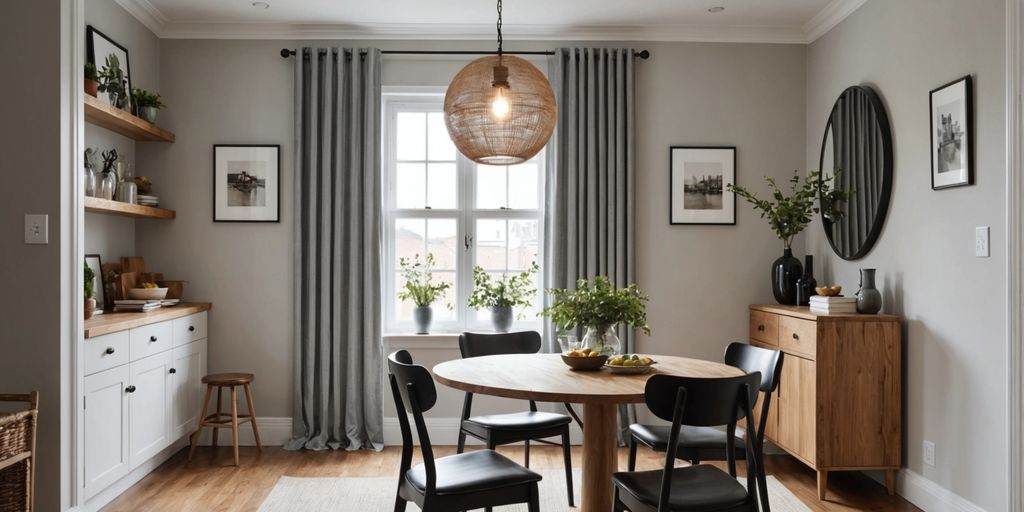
109 350
191 328
152 339
172 370
796 336
130 389
760 328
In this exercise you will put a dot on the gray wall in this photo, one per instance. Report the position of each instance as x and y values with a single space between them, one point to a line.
31 142
700 278
953 304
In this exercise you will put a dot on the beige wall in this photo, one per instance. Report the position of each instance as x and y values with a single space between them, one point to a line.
953 304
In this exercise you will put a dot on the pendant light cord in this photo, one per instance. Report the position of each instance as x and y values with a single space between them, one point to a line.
499 28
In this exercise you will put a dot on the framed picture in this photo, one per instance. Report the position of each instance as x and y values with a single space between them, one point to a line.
246 183
952 133
93 260
698 177
98 47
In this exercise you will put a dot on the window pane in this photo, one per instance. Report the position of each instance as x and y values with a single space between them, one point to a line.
403 308
441 311
523 244
411 186
523 190
412 136
490 244
490 187
440 146
442 242
410 236
442 187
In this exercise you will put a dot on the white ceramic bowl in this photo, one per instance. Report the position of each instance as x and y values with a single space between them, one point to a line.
147 293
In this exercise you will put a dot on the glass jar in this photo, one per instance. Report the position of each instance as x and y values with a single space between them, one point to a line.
127 190
88 181
107 185
603 340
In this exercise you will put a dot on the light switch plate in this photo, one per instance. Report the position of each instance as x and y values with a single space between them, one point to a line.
37 229
929 453
981 242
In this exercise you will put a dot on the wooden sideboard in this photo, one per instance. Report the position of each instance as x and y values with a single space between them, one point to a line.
839 402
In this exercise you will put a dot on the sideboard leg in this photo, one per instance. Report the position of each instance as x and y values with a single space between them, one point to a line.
822 483
890 481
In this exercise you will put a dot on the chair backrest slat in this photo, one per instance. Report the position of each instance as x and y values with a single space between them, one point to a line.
709 402
756 359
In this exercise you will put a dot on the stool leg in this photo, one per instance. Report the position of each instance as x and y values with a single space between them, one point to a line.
234 421
199 423
252 416
215 429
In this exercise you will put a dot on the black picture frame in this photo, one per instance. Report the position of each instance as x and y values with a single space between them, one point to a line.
103 303
91 34
966 95
222 208
728 213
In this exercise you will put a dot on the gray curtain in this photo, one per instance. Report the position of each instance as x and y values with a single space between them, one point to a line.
338 360
589 199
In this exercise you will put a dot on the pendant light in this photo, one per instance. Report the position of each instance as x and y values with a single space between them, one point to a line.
499 109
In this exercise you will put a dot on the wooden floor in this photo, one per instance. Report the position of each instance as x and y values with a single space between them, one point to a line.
210 483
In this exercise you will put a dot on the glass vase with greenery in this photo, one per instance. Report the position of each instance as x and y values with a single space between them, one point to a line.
502 295
420 289
598 306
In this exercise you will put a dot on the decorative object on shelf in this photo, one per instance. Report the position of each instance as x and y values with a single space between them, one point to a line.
500 109
126 188
828 291
144 185
246 182
89 173
89 283
824 305
421 290
175 288
699 178
952 134
806 285
147 291
107 183
91 84
111 59
599 307
502 295
147 104
788 215
857 142
869 299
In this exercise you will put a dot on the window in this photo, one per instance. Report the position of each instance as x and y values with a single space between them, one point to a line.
465 214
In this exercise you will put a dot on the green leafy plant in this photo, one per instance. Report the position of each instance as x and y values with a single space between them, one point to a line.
597 304
144 98
90 279
90 71
419 286
112 81
512 290
788 215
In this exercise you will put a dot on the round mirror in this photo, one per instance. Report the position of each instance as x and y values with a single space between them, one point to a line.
857 152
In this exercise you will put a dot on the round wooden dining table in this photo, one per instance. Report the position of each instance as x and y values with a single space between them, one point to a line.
545 378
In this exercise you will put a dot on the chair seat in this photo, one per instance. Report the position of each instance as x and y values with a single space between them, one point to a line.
529 420
711 438
228 379
694 488
474 471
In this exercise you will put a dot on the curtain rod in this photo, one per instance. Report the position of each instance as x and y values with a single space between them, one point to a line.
285 52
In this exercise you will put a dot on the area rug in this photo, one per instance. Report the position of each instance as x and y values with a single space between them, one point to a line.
351 494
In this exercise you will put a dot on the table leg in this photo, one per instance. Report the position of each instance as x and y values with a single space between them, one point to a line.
600 456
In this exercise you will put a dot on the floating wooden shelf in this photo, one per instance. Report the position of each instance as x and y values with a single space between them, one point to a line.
97 205
117 120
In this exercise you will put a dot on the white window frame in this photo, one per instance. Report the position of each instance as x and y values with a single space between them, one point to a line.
430 99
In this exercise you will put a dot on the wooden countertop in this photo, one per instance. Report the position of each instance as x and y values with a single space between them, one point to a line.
805 313
110 322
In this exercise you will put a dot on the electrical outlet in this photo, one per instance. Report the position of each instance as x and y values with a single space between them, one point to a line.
981 242
929 453
36 229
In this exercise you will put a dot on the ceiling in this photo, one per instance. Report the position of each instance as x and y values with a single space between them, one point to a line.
771 21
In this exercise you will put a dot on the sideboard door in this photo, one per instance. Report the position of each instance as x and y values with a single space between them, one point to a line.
796 422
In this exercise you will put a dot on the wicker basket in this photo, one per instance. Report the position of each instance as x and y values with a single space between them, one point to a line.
17 453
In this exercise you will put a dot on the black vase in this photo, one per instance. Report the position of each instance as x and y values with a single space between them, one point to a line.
806 284
785 273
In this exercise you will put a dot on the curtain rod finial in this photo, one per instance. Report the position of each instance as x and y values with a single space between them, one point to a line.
643 54
285 52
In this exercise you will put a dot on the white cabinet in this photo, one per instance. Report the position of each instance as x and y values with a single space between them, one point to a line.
149 393
189 328
106 428
189 366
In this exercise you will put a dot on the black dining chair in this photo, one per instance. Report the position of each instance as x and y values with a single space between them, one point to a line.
479 479
499 429
698 444
697 402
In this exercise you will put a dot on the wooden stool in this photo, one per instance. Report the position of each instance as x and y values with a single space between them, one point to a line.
218 419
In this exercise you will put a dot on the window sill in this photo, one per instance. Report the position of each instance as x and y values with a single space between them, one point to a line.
441 340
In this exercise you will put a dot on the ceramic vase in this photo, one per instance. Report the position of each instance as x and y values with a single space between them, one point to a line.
869 299
422 318
501 318
89 308
785 273
806 284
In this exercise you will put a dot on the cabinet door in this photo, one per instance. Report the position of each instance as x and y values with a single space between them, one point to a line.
771 425
188 367
149 405
796 398
105 428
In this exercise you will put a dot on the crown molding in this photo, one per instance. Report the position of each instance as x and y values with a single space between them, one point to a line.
831 15
147 14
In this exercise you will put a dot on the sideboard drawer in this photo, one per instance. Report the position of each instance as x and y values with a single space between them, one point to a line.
105 352
764 327
150 339
189 328
798 336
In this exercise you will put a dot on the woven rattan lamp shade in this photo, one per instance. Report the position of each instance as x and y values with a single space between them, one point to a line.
487 138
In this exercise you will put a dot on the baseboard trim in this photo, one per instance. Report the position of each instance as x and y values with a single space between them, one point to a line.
926 494
445 432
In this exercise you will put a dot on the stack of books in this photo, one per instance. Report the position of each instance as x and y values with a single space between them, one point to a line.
833 305
136 305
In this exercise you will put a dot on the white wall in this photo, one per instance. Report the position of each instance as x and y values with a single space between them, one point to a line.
953 304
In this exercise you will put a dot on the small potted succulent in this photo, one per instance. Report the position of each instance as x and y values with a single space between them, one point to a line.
502 295
147 104
90 300
421 290
113 82
91 85
598 306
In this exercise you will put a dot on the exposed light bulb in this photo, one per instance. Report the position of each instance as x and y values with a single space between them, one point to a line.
500 106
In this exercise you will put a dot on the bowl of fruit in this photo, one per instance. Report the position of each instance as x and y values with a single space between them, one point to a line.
584 359
630 363
147 291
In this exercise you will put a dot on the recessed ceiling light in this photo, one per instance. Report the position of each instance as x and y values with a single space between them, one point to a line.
261 5
717 8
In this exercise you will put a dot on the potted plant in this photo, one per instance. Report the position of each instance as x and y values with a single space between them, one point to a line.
420 289
502 295
91 85
598 306
788 215
90 301
147 104
113 82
